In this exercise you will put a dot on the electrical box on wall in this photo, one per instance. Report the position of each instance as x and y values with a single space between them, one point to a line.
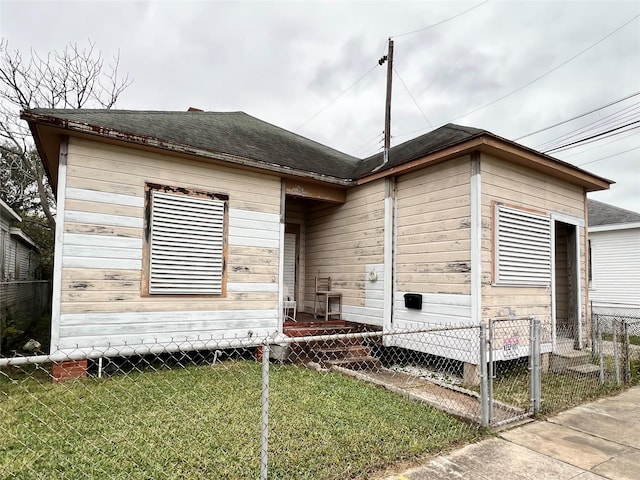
413 300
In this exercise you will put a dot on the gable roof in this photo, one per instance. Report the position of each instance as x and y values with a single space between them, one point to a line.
604 214
238 138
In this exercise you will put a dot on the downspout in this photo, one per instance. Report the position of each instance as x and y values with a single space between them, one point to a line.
389 251
58 245
476 239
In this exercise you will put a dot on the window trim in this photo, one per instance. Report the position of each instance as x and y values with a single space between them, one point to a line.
510 280
146 254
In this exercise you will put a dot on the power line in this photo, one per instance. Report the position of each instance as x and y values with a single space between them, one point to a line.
550 71
440 22
608 156
577 117
596 138
619 116
337 98
597 135
618 139
412 98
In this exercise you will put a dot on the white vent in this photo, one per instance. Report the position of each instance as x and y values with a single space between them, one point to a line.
187 242
523 247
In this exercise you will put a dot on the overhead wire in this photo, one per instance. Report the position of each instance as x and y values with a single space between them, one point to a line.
618 117
338 97
412 97
537 78
597 135
608 156
552 70
577 116
604 144
373 68
440 22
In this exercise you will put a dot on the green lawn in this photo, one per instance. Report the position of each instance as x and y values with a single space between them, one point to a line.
204 422
560 391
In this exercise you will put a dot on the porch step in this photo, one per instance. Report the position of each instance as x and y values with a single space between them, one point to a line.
562 360
365 362
341 351
586 369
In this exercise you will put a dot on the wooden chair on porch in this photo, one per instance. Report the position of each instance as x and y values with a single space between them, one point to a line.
332 300
289 306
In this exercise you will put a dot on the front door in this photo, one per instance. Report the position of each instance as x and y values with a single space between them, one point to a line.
567 283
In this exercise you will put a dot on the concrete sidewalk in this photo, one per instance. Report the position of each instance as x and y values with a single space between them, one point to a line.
595 441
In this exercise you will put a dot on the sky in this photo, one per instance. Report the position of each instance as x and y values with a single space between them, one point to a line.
508 67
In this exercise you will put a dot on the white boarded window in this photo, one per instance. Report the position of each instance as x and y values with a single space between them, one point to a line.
523 247
187 236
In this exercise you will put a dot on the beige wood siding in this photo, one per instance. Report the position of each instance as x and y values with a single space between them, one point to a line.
103 242
523 188
341 240
433 246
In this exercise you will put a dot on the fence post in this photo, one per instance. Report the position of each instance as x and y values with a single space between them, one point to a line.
616 354
534 362
484 377
264 443
600 350
626 352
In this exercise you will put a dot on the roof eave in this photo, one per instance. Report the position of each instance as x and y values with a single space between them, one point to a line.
36 120
489 143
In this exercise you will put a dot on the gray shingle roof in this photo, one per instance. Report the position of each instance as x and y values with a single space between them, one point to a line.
240 138
605 214
233 133
434 141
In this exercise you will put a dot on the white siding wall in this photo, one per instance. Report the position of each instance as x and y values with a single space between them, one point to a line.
615 263
101 301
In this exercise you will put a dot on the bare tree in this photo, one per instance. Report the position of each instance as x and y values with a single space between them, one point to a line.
75 77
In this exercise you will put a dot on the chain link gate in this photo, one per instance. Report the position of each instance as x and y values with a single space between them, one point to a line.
511 351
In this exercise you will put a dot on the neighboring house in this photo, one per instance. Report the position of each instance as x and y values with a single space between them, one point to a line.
19 256
478 225
614 241
22 299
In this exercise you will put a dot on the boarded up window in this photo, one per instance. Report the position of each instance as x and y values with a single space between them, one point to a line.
187 239
523 247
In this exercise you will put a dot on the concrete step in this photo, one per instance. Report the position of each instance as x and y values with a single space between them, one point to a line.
562 360
357 363
340 352
586 369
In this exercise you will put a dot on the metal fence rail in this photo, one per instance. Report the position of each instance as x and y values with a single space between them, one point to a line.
314 403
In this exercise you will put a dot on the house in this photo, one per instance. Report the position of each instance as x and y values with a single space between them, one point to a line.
479 226
20 298
19 256
614 245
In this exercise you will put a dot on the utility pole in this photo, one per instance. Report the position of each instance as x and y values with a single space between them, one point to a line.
387 108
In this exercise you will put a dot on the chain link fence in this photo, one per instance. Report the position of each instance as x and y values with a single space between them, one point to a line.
22 304
319 401
616 345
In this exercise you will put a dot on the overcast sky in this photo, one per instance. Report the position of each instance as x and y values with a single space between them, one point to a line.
292 63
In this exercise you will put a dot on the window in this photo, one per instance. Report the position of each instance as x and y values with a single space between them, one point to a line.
186 236
523 247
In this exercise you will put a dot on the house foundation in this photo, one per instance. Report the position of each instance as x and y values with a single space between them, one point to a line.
471 374
69 370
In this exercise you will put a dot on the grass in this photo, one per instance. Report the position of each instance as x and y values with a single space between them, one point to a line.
204 422
633 339
560 391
